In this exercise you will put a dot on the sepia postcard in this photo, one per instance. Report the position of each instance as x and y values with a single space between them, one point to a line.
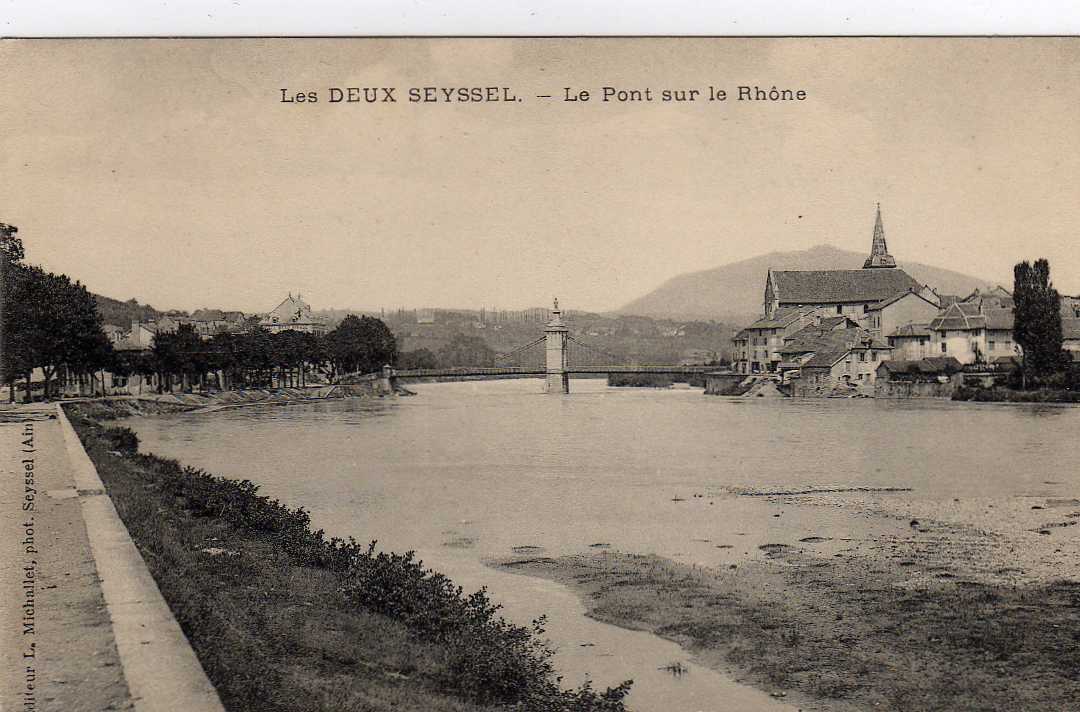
448 374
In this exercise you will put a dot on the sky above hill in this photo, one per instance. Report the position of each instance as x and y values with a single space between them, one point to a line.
171 171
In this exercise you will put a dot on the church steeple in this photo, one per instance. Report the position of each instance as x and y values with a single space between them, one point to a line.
879 252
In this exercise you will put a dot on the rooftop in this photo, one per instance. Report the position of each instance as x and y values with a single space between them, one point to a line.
911 330
932 365
898 296
840 285
785 316
965 316
825 359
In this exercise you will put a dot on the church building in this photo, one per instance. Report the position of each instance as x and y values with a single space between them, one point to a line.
853 293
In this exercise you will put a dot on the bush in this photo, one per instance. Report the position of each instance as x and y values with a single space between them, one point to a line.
122 440
489 660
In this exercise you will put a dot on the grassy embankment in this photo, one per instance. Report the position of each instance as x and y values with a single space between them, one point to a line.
283 618
852 633
999 394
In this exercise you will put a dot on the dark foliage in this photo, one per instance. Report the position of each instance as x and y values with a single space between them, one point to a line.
420 358
1013 395
114 311
1037 320
121 439
360 344
464 350
49 322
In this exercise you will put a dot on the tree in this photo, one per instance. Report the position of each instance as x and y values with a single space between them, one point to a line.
11 246
360 344
64 326
14 315
181 353
420 358
1037 320
46 320
292 350
464 350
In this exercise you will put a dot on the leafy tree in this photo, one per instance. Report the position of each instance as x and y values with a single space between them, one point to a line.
1037 320
465 350
15 361
181 353
360 344
11 246
257 355
420 358
292 350
47 320
64 327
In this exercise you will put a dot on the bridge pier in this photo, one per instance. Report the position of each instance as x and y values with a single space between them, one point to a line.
386 380
556 379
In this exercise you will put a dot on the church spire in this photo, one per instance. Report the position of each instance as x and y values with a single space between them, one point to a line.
879 252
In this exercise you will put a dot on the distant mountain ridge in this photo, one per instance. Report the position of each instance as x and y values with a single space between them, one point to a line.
734 292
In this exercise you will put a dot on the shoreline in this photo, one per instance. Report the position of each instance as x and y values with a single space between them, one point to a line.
116 407
952 617
283 618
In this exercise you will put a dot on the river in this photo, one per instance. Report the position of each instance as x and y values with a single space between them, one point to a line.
467 472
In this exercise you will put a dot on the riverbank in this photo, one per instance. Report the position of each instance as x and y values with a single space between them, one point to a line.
953 617
282 618
115 407
1009 395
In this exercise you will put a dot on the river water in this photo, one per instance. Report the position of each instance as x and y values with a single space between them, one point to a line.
467 472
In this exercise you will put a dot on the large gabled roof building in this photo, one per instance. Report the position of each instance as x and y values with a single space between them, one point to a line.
842 291
293 314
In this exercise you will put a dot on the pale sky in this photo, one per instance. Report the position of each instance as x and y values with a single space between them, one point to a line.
170 171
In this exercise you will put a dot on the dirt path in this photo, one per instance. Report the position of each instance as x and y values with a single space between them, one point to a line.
50 582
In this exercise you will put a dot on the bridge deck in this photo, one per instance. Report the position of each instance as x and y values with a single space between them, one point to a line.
530 371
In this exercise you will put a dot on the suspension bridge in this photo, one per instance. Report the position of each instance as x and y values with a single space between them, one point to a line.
554 356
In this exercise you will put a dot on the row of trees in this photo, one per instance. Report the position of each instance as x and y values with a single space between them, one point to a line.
50 323
256 357
46 321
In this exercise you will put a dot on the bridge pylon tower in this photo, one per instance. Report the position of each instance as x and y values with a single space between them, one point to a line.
556 379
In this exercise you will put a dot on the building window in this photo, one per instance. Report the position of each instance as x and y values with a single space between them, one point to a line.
944 347
993 345
839 309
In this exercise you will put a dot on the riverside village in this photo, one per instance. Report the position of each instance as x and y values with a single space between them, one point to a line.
448 510
874 331
540 405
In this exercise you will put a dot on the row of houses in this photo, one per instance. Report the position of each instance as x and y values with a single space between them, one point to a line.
825 331
293 313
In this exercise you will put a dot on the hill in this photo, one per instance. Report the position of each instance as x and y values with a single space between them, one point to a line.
118 313
733 293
